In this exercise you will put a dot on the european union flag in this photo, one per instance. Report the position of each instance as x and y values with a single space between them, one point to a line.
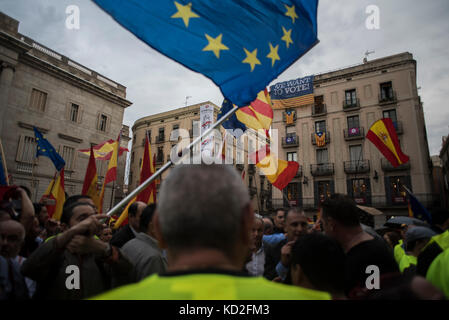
241 45
419 211
44 148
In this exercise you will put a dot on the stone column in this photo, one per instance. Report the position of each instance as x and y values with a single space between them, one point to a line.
6 77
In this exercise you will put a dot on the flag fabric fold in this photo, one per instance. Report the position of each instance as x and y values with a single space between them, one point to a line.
148 195
111 173
278 172
44 148
103 151
416 209
383 135
55 191
240 45
90 185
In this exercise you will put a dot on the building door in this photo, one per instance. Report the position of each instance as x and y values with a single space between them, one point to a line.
323 190
293 194
359 189
394 191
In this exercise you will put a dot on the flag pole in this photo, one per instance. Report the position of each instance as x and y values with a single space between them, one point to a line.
167 165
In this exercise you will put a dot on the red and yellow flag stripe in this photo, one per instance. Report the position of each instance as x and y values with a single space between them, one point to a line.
383 135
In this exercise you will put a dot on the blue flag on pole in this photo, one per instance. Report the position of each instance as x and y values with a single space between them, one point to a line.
241 45
419 211
232 123
44 148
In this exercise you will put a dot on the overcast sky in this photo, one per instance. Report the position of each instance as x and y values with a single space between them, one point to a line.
156 84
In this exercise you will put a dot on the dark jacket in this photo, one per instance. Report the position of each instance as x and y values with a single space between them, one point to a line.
48 267
122 236
272 258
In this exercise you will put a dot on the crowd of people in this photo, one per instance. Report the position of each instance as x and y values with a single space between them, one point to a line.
203 240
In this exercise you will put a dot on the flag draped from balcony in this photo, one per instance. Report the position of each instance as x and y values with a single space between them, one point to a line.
320 139
240 45
383 135
103 151
90 185
289 116
44 148
55 191
278 172
293 93
148 195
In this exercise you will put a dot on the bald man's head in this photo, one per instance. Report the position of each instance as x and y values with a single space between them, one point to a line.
13 236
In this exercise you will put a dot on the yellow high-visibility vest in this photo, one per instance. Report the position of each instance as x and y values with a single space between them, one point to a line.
210 286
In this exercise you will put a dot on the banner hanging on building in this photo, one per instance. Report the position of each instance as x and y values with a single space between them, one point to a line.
292 93
206 121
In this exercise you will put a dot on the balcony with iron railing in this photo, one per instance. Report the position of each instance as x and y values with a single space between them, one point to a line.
354 167
160 138
327 138
354 133
350 105
322 169
319 110
290 141
387 98
24 167
388 167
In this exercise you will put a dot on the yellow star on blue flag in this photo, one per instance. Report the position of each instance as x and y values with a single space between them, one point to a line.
44 148
226 40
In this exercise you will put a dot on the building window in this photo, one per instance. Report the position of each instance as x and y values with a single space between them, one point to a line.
132 157
130 178
393 116
320 126
322 156
68 154
353 122
38 100
74 111
161 136
359 191
398 194
355 153
160 155
195 128
292 156
293 193
102 123
324 190
350 97
239 158
386 91
134 139
27 150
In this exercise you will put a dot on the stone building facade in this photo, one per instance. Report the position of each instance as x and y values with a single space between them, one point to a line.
72 105
161 131
346 103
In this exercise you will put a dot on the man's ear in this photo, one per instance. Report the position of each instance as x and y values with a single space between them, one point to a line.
157 230
247 223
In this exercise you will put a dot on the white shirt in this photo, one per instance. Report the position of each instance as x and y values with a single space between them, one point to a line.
256 266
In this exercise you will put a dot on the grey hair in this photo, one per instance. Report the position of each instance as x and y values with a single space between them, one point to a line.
202 206
258 216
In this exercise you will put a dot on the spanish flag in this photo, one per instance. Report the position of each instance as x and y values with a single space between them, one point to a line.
55 191
111 173
259 114
103 151
148 195
90 186
278 172
383 135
